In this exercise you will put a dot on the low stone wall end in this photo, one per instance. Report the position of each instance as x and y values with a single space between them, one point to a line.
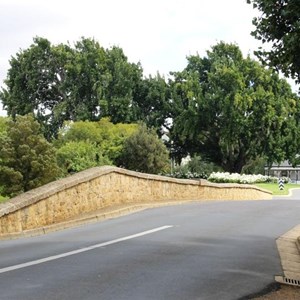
98 188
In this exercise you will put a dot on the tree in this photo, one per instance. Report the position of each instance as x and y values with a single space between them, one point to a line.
145 152
153 102
58 83
3 125
78 131
36 84
119 95
89 78
78 156
279 26
109 138
233 109
3 133
114 137
27 160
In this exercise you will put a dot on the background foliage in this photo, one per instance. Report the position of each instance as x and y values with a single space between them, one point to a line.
27 160
279 26
232 110
144 152
76 106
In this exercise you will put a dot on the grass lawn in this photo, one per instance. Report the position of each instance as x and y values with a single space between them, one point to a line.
273 187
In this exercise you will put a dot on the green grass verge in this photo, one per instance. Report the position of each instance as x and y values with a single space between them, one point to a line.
273 187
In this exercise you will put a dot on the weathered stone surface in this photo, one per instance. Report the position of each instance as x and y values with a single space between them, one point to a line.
100 187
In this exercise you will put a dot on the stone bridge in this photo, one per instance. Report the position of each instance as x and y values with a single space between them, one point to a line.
104 192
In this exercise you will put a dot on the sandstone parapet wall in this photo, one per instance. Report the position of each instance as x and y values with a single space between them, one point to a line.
98 188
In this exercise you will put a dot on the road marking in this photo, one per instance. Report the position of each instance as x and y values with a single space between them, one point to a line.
54 257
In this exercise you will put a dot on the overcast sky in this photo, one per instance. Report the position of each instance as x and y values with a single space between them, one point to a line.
157 33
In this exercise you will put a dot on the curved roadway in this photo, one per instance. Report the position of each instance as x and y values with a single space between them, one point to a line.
207 250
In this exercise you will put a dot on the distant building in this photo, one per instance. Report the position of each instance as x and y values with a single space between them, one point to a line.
284 169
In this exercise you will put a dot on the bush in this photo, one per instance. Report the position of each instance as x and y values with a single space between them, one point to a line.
27 160
188 175
196 168
219 177
78 156
2 198
144 152
198 165
108 137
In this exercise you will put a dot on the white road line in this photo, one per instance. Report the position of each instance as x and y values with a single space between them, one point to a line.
54 257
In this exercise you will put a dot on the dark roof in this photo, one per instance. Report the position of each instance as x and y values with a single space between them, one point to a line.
283 165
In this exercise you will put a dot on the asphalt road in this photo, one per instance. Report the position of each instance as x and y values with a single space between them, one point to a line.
221 250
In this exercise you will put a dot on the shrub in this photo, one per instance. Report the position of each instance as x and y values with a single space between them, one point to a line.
143 151
78 156
188 175
27 160
226 177
196 168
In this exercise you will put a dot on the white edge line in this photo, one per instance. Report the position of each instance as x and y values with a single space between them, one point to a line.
54 257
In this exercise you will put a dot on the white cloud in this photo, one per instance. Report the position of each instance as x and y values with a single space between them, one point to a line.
158 33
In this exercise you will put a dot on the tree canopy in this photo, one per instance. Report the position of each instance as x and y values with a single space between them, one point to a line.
154 105
232 109
77 156
145 152
27 160
3 125
61 82
85 144
228 109
279 26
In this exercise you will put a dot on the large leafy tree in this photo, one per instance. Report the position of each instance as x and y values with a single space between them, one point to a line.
153 100
3 125
87 81
35 84
279 26
60 82
121 89
27 160
232 109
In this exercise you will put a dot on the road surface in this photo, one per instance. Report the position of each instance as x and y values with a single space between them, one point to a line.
207 250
